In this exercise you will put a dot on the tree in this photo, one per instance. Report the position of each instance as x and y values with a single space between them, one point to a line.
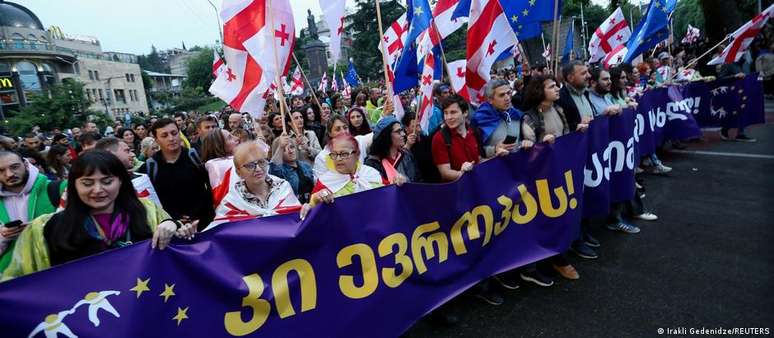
152 61
65 107
365 51
200 70
725 16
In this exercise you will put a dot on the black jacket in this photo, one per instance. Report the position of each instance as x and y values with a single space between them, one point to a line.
571 112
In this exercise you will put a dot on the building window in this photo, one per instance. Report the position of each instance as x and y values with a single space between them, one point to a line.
120 95
132 77
131 95
100 94
96 75
91 75
94 95
88 95
28 74
18 41
127 77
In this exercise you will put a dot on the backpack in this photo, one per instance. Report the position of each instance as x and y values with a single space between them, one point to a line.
423 153
152 167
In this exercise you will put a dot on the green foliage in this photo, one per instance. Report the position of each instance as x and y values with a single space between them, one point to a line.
200 70
152 62
63 108
365 51
189 99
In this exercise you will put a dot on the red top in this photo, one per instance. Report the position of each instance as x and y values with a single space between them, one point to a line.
462 149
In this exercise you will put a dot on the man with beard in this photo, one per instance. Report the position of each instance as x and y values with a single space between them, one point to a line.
25 193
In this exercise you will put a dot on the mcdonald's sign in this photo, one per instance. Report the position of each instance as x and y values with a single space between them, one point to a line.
6 83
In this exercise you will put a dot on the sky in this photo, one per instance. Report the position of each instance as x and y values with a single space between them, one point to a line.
133 26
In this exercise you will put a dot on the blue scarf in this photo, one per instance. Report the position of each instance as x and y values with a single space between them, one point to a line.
486 118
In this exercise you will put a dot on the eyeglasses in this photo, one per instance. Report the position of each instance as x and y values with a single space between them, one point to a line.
342 155
399 131
255 164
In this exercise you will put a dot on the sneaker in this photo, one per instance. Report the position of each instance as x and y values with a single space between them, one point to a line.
490 296
623 227
567 271
506 282
659 170
744 138
583 251
646 216
724 136
591 241
536 277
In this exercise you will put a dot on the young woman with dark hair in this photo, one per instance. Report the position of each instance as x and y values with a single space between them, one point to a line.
103 212
217 154
131 139
544 121
357 122
58 160
388 155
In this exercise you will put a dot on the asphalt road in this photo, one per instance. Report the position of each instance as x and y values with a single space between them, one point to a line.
708 262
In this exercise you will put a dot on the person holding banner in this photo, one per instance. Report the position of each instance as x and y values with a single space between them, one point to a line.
498 121
103 212
730 71
345 174
544 122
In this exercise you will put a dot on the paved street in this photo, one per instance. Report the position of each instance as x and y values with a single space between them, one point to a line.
708 262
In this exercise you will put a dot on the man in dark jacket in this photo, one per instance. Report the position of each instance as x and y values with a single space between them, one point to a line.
573 97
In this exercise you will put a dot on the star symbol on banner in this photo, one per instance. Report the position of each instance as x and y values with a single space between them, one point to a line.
656 4
141 286
182 314
418 10
169 291
515 18
525 12
664 9
532 2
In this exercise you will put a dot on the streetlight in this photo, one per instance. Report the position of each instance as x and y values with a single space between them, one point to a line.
217 15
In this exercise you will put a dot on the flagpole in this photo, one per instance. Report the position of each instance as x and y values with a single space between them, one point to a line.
583 33
558 33
283 104
696 59
387 82
555 32
311 89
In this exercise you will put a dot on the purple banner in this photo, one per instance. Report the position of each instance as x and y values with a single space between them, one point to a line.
677 112
370 264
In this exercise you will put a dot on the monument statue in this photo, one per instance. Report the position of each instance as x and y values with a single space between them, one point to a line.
312 27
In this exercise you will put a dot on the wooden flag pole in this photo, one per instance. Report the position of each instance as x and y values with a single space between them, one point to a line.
283 104
303 74
555 35
558 33
387 81
696 59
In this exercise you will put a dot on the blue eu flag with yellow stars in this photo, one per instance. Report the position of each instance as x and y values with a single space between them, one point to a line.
652 30
525 16
419 15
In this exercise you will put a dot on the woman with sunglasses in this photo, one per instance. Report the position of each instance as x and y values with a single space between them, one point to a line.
256 193
344 173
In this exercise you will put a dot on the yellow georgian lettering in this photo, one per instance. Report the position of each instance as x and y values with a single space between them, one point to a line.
420 244
281 289
530 207
406 267
507 204
546 205
260 307
368 266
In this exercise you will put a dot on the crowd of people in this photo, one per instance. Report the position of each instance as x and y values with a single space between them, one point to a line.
71 193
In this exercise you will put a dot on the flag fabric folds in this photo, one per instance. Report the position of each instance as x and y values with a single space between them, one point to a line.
333 12
613 32
651 30
419 17
297 85
568 44
250 36
489 35
351 77
742 38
